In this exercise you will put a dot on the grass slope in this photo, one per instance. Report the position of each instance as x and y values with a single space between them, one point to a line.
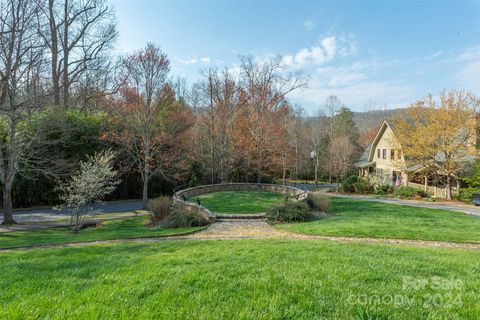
114 229
243 279
240 202
380 220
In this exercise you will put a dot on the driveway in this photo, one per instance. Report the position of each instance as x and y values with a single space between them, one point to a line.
49 215
469 209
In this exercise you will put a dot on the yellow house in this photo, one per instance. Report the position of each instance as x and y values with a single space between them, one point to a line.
383 162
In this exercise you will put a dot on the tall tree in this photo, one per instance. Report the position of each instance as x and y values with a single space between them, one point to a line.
150 121
439 134
21 57
266 85
79 35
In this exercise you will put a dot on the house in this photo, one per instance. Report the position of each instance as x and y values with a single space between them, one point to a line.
383 162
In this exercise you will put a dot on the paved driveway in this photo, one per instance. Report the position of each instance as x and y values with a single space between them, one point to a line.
48 214
469 209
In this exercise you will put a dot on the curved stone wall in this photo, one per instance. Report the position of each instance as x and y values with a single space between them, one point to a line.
180 197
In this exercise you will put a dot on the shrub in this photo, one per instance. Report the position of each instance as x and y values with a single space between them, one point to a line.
185 219
466 194
383 189
410 192
363 186
159 208
318 203
347 184
289 212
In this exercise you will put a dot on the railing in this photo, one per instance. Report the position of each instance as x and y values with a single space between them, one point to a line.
440 192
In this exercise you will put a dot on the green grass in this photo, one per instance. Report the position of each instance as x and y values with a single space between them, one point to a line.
114 229
240 279
240 202
380 220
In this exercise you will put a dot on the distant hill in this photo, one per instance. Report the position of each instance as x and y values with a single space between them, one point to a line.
373 119
370 119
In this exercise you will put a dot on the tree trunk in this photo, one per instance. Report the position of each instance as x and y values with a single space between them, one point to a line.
54 55
449 188
7 205
145 190
66 85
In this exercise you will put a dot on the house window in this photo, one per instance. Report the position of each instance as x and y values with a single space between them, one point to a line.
399 154
378 153
384 153
392 153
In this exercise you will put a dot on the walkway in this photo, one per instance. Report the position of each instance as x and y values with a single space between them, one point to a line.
465 208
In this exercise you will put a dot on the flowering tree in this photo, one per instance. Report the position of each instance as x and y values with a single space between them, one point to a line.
83 191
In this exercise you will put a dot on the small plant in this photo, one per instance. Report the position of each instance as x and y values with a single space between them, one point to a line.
466 194
363 186
159 208
318 203
185 219
347 184
410 192
289 212
84 190
384 189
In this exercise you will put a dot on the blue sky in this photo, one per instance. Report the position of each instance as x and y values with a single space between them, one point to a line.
365 52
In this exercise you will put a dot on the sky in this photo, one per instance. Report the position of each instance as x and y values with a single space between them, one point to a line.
382 54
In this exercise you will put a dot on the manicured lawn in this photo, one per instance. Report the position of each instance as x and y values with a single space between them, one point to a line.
240 202
240 279
380 220
114 229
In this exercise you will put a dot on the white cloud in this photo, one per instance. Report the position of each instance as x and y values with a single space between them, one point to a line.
330 46
303 56
327 49
308 24
467 75
205 60
187 61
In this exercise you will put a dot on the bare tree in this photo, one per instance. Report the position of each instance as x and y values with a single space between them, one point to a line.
341 151
221 95
79 34
266 85
21 57
319 128
332 106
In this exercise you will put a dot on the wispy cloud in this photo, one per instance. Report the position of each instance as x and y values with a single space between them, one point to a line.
468 69
193 60
308 24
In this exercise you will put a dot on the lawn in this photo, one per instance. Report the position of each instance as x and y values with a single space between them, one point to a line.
240 279
113 229
240 202
380 220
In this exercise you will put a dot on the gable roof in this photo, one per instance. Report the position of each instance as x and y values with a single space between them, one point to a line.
381 131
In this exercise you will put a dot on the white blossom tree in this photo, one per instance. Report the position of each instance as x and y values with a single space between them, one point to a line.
84 190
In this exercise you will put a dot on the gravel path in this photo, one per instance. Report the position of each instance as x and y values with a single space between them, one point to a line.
240 228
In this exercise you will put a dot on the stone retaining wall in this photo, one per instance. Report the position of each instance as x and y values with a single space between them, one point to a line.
180 197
